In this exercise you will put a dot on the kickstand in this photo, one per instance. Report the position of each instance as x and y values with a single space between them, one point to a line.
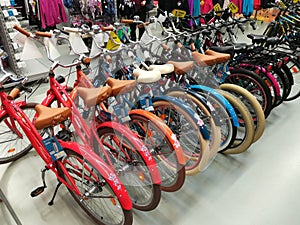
55 192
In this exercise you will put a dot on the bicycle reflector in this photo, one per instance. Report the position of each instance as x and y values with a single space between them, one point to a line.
286 59
11 150
269 67
279 64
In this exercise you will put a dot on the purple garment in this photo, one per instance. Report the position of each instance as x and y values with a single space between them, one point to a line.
52 12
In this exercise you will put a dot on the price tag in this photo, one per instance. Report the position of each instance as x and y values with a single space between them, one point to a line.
54 148
179 13
145 102
233 8
217 8
121 113
282 5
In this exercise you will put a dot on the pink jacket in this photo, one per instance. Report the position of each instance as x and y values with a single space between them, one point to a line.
52 12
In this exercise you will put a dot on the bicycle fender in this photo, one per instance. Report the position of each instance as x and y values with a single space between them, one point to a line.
110 176
207 105
167 131
202 128
222 100
138 143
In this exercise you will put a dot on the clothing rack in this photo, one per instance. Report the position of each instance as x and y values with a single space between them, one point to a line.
8 206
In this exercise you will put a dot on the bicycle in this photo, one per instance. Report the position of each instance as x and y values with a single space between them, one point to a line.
91 182
121 149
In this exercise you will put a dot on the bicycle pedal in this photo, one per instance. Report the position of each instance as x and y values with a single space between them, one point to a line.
37 191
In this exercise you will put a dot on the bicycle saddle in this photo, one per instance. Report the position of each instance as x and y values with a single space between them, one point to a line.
182 67
120 86
221 57
94 96
223 49
204 60
48 117
164 69
147 77
257 38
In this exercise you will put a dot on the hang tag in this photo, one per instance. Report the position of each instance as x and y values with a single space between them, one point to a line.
30 51
233 8
121 113
98 40
145 102
77 43
179 13
54 148
51 46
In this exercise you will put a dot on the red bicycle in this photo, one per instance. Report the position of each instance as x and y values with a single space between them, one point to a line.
115 143
91 182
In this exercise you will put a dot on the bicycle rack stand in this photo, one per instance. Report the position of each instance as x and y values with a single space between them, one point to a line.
10 209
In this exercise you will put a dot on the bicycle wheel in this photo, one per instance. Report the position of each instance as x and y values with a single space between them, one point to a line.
245 131
97 198
159 138
205 114
14 146
252 105
254 84
131 167
228 129
294 67
184 126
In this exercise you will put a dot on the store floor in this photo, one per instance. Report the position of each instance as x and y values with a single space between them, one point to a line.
258 187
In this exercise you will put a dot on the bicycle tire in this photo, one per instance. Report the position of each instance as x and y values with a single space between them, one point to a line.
126 215
228 130
197 156
254 84
205 115
175 168
145 194
241 144
294 66
253 106
7 134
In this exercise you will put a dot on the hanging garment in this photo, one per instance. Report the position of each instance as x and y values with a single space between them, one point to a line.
207 6
225 5
196 11
52 12
257 4
248 7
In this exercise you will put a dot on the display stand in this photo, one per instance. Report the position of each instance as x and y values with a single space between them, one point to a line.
7 43
10 209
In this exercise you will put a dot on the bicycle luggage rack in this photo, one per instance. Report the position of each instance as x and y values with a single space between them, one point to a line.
10 209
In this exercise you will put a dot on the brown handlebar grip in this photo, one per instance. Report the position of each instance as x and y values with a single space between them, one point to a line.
21 30
165 47
193 47
86 60
143 25
43 34
14 94
109 28
126 21
108 58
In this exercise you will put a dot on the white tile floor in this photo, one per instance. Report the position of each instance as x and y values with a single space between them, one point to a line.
258 187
